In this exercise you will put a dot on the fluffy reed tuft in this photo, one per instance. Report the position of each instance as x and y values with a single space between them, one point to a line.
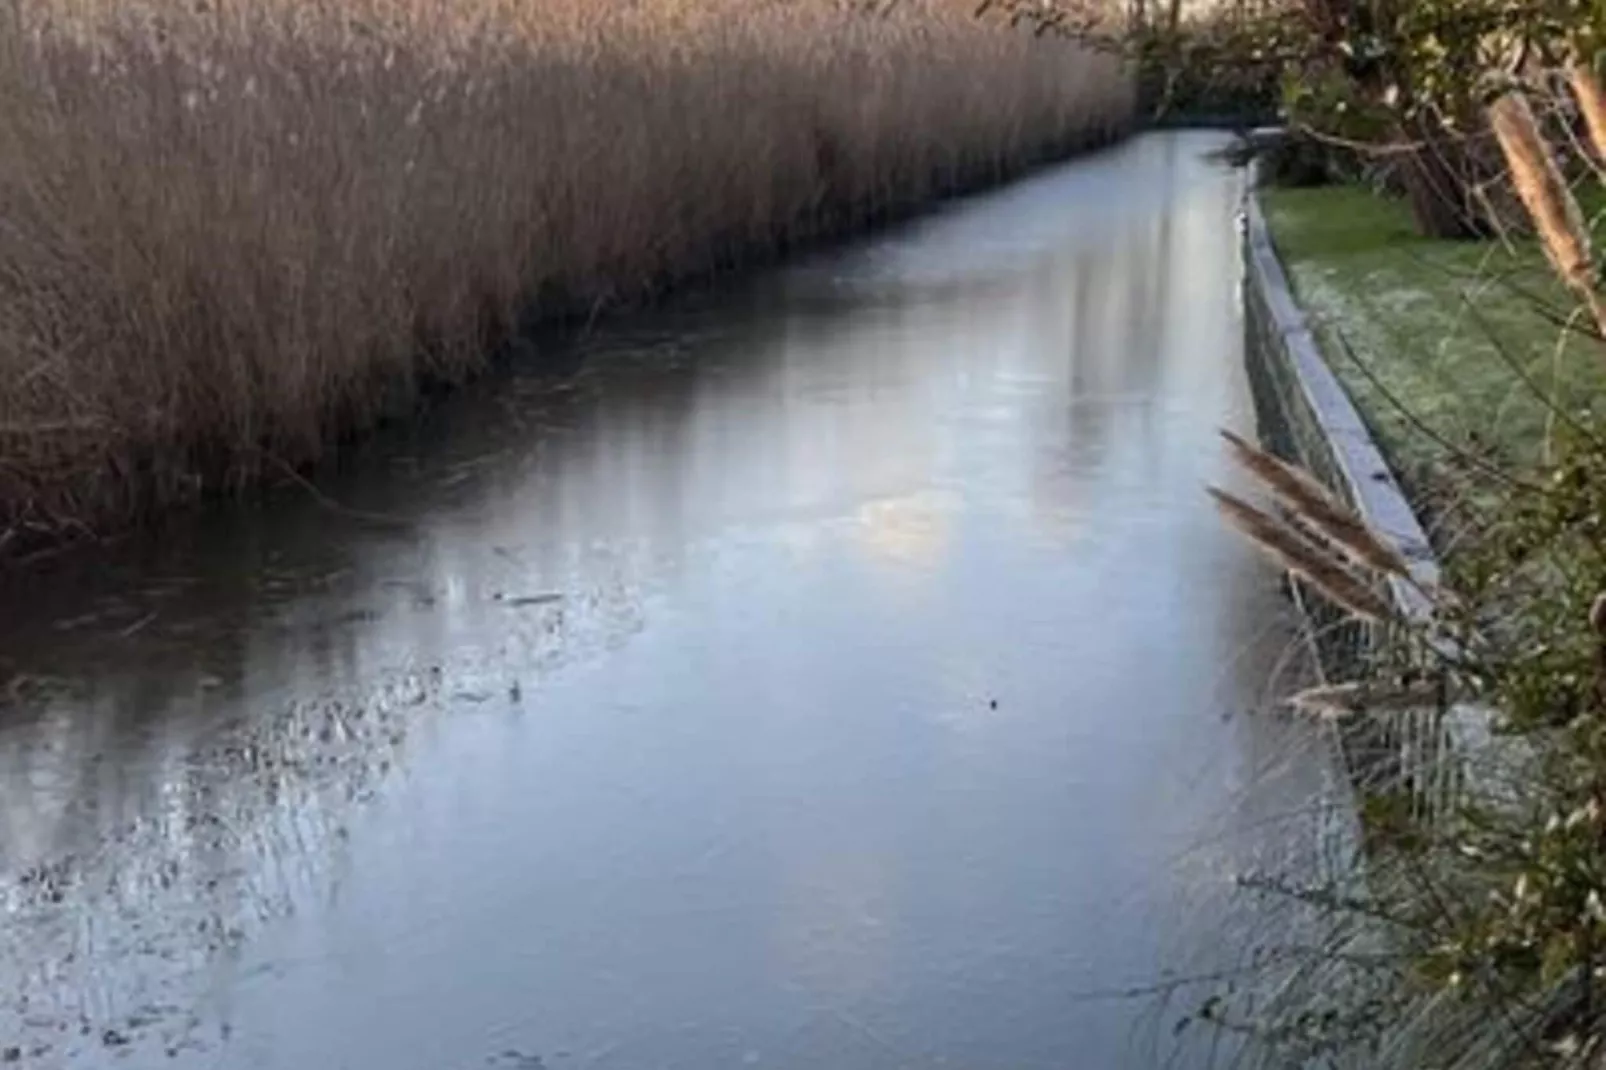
1341 700
1549 201
1315 506
1583 76
1323 570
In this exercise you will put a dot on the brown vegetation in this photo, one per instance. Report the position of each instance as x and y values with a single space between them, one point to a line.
231 230
1563 232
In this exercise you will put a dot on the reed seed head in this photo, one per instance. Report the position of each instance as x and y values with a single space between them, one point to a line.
1319 509
1324 571
1341 700
1544 193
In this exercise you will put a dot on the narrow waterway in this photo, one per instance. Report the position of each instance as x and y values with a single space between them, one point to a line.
843 671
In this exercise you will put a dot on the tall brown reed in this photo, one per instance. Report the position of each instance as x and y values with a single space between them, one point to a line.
232 230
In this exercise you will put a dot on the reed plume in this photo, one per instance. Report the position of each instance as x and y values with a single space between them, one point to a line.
1550 203
1317 507
1339 700
1583 75
1324 571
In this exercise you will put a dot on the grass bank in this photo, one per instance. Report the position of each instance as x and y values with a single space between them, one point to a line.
1450 349
232 232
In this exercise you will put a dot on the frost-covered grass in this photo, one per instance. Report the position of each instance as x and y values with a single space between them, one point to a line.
1458 338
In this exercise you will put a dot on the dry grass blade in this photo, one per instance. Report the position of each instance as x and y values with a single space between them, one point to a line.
1339 700
1317 507
1299 555
1546 196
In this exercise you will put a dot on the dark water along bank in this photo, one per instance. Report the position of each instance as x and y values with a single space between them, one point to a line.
846 670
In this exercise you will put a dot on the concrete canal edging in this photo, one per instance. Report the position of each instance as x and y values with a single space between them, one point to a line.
1305 415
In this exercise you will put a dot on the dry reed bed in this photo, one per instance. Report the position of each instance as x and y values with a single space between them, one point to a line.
233 230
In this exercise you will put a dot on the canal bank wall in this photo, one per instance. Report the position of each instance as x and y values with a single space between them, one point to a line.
1306 416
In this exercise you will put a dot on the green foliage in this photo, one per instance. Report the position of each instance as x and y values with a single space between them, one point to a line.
1481 867
1410 58
1491 897
1490 901
1197 71
1372 72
